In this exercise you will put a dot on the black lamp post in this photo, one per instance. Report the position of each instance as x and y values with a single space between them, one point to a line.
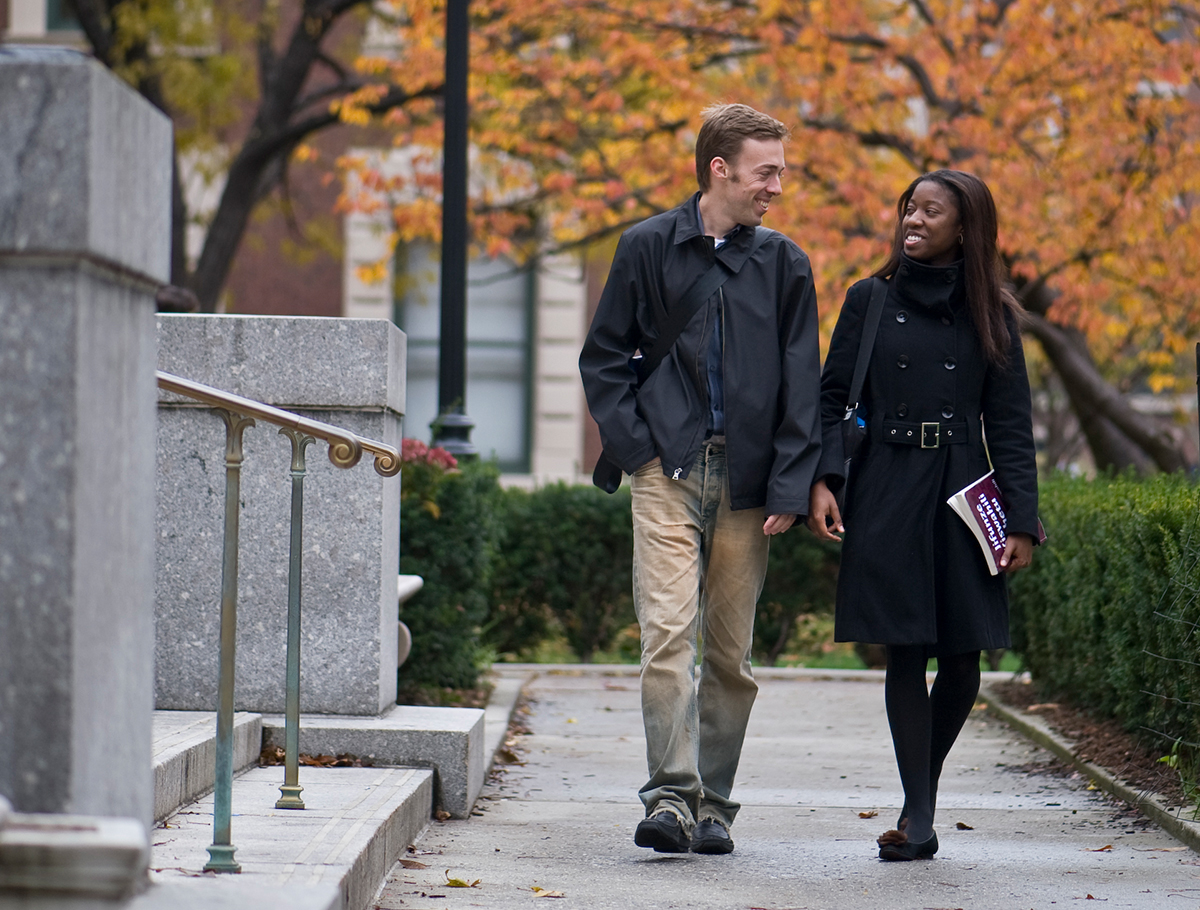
452 427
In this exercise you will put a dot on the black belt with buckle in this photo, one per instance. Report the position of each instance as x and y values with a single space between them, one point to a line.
928 435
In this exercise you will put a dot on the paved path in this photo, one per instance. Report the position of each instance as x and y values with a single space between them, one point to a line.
816 757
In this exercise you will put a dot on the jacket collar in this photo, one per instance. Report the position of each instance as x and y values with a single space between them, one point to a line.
733 252
932 286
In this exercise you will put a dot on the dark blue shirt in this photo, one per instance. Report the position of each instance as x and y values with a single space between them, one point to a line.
716 342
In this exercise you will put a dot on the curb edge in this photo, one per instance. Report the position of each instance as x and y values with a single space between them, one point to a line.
1038 731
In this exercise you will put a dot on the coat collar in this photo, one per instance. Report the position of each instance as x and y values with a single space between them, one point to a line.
733 252
932 286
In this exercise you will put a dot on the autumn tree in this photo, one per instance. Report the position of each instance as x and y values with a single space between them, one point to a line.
1082 118
264 74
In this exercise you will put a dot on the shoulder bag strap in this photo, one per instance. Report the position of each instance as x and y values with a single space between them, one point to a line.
866 343
691 301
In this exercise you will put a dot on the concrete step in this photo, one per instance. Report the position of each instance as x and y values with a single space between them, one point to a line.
448 740
356 823
185 754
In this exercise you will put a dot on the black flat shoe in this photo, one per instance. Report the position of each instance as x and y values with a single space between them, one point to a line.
895 846
663 832
710 836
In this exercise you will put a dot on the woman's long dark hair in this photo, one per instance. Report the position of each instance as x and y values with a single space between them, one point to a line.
988 298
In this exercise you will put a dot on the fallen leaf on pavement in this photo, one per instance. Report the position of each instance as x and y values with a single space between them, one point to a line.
442 815
551 894
869 814
1048 706
1161 849
1107 848
459 883
963 826
413 864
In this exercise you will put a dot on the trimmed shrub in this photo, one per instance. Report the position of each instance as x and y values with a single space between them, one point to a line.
449 531
566 555
1107 614
801 582
565 562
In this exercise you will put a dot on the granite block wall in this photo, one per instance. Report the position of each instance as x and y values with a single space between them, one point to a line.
347 372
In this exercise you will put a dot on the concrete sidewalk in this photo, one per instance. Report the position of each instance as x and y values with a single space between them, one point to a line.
817 758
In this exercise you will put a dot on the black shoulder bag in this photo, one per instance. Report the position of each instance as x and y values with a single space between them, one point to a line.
854 424
607 476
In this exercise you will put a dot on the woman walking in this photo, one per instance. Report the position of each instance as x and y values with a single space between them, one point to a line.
946 367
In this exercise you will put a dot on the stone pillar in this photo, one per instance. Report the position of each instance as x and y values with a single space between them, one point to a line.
85 190
347 372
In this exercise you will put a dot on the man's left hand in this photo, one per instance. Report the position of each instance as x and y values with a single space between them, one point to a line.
777 524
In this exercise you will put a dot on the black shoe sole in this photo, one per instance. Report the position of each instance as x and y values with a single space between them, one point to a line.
714 846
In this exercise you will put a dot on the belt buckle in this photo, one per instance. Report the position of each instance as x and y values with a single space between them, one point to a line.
930 435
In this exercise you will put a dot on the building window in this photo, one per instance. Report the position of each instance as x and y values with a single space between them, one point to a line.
60 17
499 328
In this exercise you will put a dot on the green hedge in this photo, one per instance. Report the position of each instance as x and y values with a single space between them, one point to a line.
801 581
566 557
1107 615
449 531
506 569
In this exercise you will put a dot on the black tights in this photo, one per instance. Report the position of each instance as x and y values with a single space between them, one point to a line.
925 724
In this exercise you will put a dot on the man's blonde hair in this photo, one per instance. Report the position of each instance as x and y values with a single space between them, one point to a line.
726 127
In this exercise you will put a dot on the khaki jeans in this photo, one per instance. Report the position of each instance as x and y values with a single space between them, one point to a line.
698 569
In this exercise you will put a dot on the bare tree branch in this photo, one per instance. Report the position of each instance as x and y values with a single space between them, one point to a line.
870 138
1092 395
927 16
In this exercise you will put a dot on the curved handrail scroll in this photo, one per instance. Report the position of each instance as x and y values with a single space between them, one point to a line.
345 448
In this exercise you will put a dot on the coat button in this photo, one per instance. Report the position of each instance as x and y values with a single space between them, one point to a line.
946 320
947 412
904 270
951 276
950 363
902 362
902 316
901 410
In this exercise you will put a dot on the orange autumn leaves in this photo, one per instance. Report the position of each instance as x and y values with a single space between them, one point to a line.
1083 118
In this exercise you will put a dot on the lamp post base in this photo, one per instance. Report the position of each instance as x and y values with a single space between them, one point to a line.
452 432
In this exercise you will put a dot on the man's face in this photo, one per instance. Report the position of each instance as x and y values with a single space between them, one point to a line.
745 187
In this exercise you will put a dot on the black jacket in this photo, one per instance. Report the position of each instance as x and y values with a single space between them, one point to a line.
911 572
771 367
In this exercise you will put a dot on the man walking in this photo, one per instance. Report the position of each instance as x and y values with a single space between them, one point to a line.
716 418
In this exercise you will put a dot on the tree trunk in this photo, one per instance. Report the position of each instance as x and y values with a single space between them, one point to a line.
225 232
1118 435
179 218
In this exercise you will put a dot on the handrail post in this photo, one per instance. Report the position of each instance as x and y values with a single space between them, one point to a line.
222 850
291 788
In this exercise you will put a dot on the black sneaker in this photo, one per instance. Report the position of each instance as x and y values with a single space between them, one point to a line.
710 836
663 831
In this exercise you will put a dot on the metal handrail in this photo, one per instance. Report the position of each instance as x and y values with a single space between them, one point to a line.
345 451
345 448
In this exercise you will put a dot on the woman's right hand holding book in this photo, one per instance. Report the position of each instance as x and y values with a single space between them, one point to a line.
1018 552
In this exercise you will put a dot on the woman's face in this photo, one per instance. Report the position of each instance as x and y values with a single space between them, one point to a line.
932 225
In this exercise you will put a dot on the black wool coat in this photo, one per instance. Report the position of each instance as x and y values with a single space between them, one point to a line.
911 571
